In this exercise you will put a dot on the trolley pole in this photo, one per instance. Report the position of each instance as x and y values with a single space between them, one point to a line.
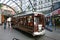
32 6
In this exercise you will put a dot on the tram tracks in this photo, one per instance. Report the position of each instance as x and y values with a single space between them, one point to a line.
44 38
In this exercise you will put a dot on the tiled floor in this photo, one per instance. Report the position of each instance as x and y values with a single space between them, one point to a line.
9 34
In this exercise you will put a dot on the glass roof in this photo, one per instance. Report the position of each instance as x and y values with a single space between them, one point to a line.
15 4
23 5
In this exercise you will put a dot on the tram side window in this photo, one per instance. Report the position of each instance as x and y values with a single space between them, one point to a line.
30 21
21 21
25 21
18 21
13 21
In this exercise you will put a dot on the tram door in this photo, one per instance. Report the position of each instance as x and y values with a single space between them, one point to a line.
39 23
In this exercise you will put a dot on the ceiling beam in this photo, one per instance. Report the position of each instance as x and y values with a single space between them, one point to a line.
17 5
7 1
21 4
31 4
9 7
10 4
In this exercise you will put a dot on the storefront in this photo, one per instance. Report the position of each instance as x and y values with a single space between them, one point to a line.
56 17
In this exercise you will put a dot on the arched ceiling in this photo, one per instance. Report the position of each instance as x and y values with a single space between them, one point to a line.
23 5
13 4
17 5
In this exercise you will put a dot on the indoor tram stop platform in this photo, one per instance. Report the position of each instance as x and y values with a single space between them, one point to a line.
29 19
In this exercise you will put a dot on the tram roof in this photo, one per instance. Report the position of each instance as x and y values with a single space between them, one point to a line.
27 13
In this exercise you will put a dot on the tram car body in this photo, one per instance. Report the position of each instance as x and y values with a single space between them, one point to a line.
30 22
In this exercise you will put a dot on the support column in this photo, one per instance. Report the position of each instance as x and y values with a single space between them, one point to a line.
0 19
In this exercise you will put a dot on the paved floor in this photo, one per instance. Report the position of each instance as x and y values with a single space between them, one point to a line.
52 28
9 34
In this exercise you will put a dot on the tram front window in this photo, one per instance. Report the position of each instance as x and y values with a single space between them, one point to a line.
36 20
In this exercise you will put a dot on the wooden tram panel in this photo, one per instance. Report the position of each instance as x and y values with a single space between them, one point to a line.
28 27
25 22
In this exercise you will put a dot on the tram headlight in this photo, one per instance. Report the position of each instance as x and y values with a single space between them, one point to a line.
39 27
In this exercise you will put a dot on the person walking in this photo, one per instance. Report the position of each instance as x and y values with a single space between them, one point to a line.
5 24
9 22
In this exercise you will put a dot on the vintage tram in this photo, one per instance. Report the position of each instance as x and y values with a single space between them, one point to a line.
30 22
